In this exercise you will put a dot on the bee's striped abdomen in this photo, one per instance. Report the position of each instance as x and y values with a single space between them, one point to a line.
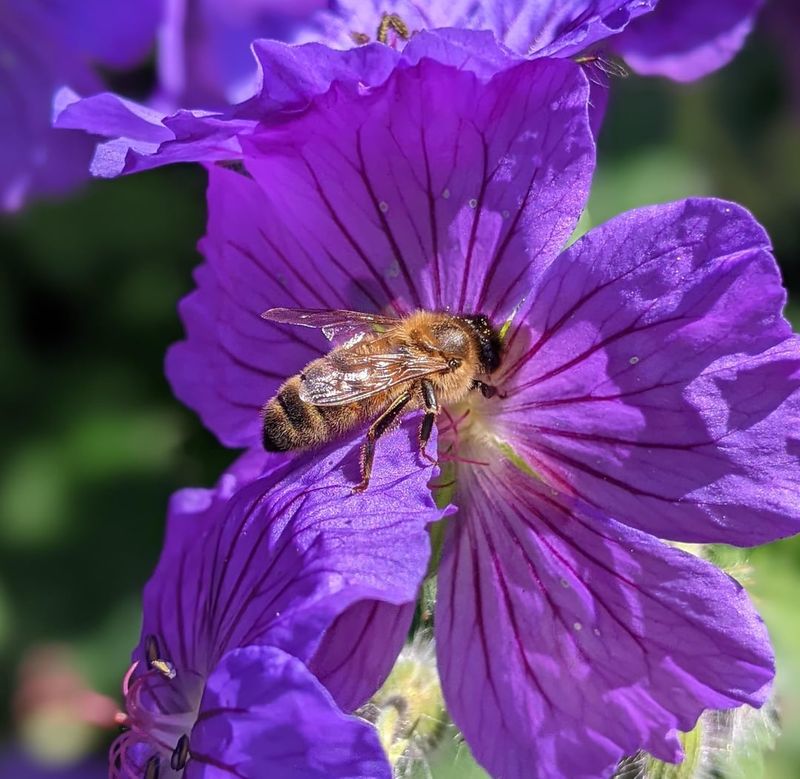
291 423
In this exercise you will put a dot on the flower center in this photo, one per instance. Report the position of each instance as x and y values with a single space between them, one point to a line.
478 433
467 431
162 705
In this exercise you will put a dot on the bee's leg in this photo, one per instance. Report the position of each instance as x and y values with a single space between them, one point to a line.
487 390
431 410
376 430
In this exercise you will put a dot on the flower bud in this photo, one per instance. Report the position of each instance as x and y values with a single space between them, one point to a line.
728 744
408 710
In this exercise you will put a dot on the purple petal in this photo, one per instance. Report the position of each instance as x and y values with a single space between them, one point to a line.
109 114
144 137
359 649
361 203
566 639
474 50
686 41
444 207
567 28
276 561
290 76
658 382
264 714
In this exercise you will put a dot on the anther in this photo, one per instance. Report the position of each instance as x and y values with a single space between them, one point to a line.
180 754
165 668
359 38
392 22
152 769
151 649
154 659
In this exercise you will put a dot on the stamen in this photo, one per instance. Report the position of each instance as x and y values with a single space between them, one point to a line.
151 649
126 680
165 668
359 38
154 659
454 458
511 317
180 754
153 768
392 22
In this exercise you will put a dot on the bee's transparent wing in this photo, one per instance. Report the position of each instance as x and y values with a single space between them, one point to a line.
346 377
341 325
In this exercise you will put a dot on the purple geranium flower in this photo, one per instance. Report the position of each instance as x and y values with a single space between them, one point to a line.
44 45
680 43
648 390
250 576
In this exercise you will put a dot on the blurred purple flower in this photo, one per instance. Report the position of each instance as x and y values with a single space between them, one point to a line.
679 40
649 390
248 581
44 45
16 764
205 59
687 40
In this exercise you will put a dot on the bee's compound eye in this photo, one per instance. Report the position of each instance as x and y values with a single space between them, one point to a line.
454 363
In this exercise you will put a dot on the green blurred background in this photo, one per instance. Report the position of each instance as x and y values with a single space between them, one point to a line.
94 442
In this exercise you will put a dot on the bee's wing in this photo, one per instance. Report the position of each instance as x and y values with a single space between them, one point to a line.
333 323
346 377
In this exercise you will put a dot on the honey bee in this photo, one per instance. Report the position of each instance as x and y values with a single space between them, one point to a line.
385 368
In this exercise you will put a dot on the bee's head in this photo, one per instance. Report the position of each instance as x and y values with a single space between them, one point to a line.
488 340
